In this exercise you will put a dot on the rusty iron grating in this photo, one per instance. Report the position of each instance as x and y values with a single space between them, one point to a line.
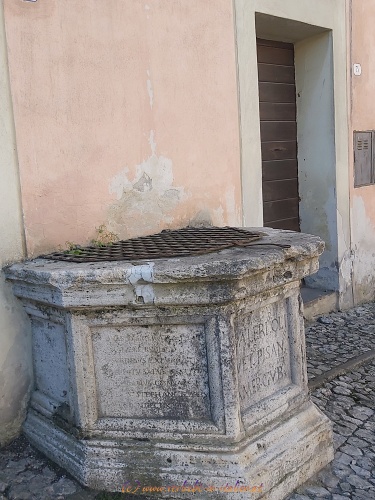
184 242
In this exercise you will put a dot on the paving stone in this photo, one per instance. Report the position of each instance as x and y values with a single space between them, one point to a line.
36 465
299 497
325 320
363 495
366 434
360 471
317 491
361 412
341 471
64 486
19 492
359 443
346 487
38 483
19 465
359 482
341 390
352 420
351 450
84 495
370 425
48 474
343 430
328 479
343 458
366 463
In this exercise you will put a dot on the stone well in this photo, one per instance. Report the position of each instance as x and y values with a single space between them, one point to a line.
183 374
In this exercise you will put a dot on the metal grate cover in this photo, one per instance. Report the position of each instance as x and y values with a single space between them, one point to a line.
184 242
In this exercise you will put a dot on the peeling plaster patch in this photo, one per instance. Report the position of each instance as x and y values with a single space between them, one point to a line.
346 271
119 182
363 252
145 203
346 265
147 7
150 89
144 183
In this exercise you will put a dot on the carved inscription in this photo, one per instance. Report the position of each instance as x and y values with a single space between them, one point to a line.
263 359
152 371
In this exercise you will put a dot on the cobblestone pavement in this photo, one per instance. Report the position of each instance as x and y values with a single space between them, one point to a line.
25 474
348 400
334 339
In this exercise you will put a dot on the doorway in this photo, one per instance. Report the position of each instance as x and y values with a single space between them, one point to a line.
278 132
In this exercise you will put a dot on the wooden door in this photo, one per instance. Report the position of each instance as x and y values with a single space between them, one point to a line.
278 130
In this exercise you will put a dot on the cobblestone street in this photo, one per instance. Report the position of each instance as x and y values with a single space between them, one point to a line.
341 368
349 402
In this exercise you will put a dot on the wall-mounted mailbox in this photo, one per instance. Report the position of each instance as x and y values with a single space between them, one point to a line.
363 158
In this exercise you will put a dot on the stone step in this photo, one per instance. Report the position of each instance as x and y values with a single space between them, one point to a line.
317 302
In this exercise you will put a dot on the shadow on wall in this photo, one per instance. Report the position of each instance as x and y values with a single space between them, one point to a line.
15 363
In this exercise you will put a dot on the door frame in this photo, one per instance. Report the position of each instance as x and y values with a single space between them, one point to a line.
322 151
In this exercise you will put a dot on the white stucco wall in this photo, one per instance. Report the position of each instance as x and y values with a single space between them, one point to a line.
15 347
316 149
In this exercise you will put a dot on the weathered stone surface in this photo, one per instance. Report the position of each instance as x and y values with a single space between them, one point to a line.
263 356
143 366
181 369
363 467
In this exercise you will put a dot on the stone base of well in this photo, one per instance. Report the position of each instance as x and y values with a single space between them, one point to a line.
177 373
269 466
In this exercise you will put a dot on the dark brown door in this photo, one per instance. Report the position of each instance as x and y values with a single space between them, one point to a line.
278 131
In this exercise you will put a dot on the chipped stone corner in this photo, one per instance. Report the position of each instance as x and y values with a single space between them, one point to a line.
141 277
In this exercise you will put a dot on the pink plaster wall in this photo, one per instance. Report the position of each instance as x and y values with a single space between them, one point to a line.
362 50
363 43
126 114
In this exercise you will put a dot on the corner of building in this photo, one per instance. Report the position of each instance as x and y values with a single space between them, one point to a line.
15 341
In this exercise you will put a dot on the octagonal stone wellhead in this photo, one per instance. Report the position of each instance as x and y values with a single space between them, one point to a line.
177 376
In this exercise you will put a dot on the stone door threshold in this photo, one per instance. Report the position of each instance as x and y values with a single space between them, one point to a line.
317 302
